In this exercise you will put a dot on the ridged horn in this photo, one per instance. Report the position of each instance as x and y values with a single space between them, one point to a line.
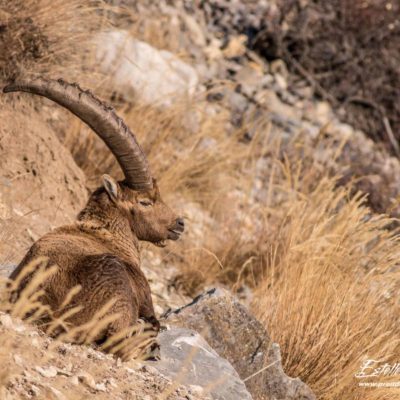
101 118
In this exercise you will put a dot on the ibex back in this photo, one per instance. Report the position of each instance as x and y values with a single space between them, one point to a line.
100 251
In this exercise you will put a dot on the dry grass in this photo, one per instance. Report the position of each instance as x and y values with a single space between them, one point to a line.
328 296
325 275
40 37
130 344
198 164
324 271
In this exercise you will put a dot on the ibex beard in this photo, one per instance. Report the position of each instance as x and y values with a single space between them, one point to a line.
100 252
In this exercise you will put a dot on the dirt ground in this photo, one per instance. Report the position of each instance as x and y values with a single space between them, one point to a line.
41 186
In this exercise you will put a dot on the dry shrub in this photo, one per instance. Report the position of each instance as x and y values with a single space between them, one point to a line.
41 37
235 245
348 50
328 295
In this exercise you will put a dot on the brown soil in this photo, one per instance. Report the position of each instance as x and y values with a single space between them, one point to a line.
41 186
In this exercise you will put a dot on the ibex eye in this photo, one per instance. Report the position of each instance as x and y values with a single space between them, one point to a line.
145 203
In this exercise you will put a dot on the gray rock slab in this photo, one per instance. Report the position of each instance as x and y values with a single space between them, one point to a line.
235 334
156 76
188 359
6 269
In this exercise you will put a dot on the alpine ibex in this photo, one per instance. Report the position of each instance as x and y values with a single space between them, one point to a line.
100 251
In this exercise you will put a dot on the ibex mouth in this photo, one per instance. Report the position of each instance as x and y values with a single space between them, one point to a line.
174 234
161 243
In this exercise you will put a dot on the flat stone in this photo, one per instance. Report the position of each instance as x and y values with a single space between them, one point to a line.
6 269
188 359
49 372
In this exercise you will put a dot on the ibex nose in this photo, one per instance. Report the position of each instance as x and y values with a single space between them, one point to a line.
180 223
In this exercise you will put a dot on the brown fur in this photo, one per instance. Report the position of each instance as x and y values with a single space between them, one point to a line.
100 252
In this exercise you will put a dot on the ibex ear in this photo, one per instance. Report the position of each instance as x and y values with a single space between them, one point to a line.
111 187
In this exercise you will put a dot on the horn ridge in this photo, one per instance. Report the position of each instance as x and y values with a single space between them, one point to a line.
103 120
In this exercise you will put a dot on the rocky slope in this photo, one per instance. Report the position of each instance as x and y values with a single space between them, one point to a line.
33 366
214 348
200 359
215 37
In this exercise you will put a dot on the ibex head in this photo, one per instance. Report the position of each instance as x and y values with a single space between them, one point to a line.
137 197
150 218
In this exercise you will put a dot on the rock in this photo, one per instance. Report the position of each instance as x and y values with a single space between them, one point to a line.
6 269
235 334
49 372
188 359
101 387
237 102
250 80
6 321
140 70
281 82
9 323
279 67
232 16
18 360
87 379
213 50
275 106
236 46
195 30
280 386
75 380
57 394
225 323
34 390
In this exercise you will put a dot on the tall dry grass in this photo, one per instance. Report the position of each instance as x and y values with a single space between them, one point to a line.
28 304
41 37
329 293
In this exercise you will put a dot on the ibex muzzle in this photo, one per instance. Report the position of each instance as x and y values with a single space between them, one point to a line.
100 251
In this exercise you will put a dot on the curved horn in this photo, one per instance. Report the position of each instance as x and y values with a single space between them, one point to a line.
101 118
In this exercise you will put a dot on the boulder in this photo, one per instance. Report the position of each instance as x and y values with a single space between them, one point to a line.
6 269
188 359
139 70
235 334
277 385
